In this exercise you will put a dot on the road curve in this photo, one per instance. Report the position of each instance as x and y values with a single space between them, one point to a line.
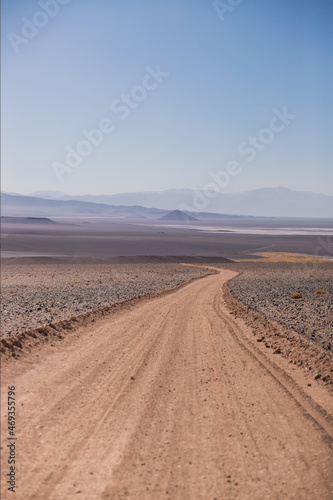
166 400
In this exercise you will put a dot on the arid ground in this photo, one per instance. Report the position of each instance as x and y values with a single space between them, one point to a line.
231 238
168 377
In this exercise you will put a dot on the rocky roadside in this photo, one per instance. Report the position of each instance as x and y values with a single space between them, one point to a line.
290 310
298 296
42 294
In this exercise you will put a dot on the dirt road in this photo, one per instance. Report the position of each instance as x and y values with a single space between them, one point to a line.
170 399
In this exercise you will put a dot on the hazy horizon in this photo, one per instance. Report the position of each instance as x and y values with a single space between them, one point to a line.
108 97
152 191
275 202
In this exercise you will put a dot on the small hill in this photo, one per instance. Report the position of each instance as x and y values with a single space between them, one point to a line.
178 215
27 220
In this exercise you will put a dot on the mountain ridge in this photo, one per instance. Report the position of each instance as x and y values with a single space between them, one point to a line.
21 205
270 202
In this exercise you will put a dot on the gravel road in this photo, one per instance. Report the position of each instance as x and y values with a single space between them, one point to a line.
171 399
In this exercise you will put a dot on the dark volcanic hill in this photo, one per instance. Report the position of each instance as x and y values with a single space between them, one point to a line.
178 215
28 220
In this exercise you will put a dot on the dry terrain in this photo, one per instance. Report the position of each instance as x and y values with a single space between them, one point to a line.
170 398
37 293
297 295
229 237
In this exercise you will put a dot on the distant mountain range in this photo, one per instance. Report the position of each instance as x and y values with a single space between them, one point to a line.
269 202
20 206
13 205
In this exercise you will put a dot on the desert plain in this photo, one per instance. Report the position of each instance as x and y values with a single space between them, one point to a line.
181 360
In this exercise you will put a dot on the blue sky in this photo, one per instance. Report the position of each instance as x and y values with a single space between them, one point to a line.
223 75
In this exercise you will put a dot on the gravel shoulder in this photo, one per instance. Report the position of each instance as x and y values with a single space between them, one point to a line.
299 296
36 294
290 309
